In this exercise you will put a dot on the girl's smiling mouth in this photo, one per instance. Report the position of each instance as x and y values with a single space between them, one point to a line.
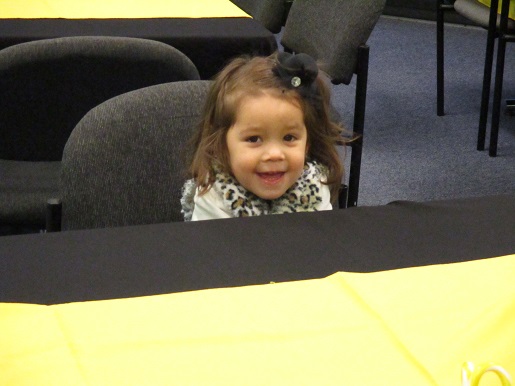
271 177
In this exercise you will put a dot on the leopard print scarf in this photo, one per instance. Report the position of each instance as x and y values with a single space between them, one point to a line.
303 196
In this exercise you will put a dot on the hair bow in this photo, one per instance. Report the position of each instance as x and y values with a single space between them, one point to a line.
296 71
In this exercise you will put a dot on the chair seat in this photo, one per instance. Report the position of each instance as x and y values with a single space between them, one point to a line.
478 13
25 188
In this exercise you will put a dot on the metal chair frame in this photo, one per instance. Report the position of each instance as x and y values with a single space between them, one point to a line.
349 192
503 37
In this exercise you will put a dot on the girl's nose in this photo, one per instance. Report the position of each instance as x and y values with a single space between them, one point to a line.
273 152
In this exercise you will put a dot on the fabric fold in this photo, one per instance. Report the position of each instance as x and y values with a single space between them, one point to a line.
411 326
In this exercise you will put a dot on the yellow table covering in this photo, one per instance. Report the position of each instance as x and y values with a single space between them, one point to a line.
511 13
412 326
112 9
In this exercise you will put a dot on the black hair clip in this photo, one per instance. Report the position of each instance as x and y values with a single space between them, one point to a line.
296 71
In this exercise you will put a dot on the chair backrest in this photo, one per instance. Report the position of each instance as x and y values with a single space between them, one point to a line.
270 13
124 163
335 33
47 86
331 31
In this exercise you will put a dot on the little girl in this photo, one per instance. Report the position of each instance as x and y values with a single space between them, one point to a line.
266 144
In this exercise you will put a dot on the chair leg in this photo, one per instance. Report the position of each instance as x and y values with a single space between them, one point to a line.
487 75
496 105
53 215
439 59
441 7
358 127
342 196
499 74
510 107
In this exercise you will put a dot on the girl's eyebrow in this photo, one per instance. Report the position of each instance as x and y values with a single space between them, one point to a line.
295 127
251 129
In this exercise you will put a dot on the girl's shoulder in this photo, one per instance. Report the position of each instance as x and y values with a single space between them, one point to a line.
315 171
189 189
206 206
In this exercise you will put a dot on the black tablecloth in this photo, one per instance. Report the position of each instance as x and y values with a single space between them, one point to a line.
208 42
162 258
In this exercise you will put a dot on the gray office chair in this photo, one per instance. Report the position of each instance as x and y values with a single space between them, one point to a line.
46 87
270 13
335 32
504 31
124 162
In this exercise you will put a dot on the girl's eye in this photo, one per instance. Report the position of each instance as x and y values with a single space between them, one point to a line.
289 138
253 139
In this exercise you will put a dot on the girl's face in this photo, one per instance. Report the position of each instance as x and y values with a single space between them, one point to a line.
267 145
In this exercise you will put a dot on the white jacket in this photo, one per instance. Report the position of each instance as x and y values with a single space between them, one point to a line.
211 205
227 198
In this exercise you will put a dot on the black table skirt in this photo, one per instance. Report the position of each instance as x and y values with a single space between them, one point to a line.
163 258
209 42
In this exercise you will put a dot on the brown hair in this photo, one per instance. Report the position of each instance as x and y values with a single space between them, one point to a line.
246 76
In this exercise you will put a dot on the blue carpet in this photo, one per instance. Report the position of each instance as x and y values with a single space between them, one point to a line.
409 152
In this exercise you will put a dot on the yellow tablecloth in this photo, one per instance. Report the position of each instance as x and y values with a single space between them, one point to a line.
413 326
511 13
112 9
